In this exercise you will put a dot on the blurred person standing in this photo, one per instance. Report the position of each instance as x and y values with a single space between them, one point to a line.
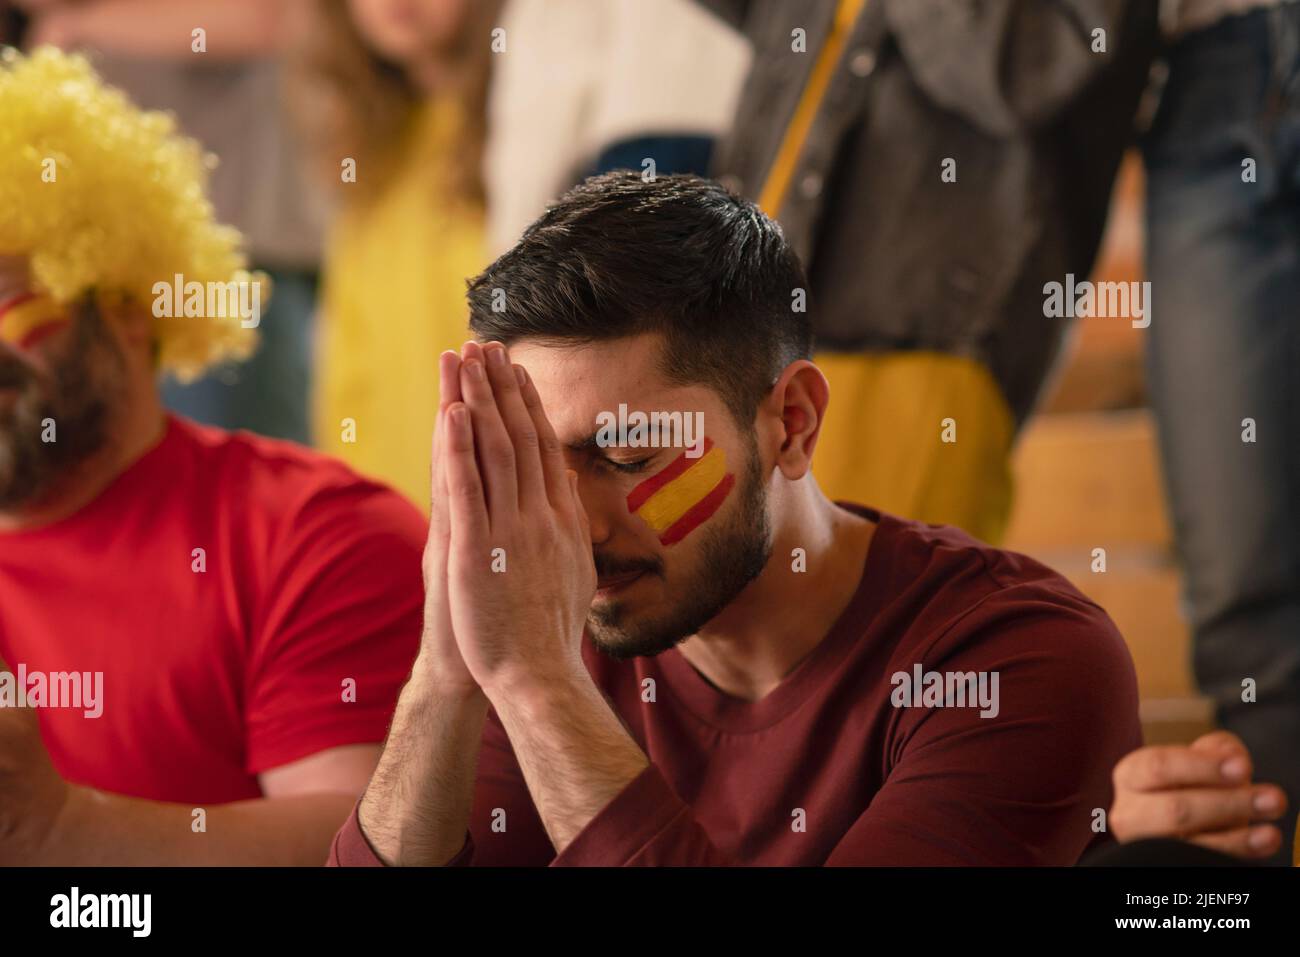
935 163
1223 255
584 88
224 85
392 93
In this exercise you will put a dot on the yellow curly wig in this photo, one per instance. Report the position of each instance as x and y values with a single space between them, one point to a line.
125 208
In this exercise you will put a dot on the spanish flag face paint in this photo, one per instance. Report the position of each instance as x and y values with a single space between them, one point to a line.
686 494
27 318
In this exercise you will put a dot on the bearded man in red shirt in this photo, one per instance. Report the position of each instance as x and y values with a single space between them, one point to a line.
202 634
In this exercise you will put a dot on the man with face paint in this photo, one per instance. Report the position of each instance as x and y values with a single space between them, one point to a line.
202 633
636 655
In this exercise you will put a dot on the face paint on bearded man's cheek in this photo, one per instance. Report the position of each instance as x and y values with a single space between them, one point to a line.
684 494
27 318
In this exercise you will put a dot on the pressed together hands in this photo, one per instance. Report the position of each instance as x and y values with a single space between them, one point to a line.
499 481
509 578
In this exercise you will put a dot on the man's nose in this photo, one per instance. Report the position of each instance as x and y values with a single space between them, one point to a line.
597 502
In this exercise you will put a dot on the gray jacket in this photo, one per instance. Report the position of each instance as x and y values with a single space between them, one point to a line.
1009 89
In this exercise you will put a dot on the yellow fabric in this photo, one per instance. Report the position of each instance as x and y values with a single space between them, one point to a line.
393 301
881 443
778 178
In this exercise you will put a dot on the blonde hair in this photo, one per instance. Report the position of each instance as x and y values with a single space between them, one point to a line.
106 198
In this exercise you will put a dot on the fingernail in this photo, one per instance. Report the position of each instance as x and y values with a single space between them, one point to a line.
458 417
475 369
1267 801
1259 837
521 375
1234 768
496 355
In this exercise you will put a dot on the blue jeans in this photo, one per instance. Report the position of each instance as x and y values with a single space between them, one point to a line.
268 393
1224 346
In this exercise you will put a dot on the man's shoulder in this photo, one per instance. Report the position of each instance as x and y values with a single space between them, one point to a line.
277 483
960 596
943 563
964 608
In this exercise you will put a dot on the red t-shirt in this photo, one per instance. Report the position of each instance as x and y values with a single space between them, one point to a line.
825 769
211 677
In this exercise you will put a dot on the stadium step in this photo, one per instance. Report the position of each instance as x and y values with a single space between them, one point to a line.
1091 480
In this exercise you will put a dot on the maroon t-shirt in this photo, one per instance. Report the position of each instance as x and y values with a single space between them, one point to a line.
844 763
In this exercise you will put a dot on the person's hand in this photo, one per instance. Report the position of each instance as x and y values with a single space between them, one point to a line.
440 658
31 791
520 568
1200 793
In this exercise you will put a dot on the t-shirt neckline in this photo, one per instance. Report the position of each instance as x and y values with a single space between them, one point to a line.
728 713
106 498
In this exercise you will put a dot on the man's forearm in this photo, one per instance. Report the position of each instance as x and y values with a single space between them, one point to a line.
97 829
416 810
575 752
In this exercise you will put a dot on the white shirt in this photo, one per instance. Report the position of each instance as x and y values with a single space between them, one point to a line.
577 77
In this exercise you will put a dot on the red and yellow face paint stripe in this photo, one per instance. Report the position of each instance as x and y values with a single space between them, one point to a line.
677 500
27 318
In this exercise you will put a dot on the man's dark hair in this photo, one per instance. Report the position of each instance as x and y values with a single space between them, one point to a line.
682 256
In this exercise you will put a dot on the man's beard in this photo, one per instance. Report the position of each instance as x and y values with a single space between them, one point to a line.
82 386
731 556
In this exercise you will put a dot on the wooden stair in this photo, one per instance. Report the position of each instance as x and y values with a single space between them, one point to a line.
1087 476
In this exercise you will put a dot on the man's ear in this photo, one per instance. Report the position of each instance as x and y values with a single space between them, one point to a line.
795 408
